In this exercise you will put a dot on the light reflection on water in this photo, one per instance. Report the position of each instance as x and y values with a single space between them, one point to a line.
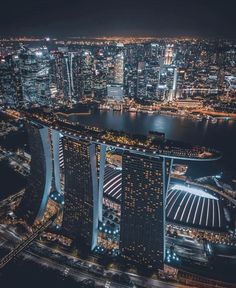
221 135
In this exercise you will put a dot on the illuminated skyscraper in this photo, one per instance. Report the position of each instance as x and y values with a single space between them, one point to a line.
133 55
10 81
86 76
155 52
142 210
172 82
152 76
119 69
35 199
69 76
80 216
100 76
75 79
141 80
167 85
62 77
168 55
34 69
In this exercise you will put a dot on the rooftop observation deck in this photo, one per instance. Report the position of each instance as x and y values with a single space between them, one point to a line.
154 144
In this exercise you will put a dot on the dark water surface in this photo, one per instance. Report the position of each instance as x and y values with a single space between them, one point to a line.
221 135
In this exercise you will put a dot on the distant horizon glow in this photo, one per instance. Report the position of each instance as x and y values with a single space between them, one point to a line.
164 18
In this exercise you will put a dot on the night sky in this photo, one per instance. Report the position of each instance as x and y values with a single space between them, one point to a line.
61 18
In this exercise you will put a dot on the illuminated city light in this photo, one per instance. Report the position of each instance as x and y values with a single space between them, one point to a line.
109 189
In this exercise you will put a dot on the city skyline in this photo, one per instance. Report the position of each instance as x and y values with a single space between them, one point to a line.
117 143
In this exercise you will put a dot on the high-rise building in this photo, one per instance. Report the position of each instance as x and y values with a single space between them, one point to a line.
155 52
100 76
57 72
80 216
68 58
141 80
119 69
167 85
172 82
10 81
34 69
181 79
61 75
168 60
86 76
130 71
142 210
33 204
152 76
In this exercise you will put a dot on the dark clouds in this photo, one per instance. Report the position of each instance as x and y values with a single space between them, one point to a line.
118 17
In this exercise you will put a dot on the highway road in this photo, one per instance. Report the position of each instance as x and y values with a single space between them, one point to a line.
8 238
